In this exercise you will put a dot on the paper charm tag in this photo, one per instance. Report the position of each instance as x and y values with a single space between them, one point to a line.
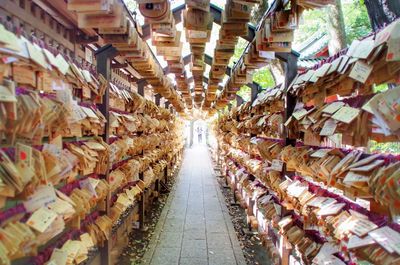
41 219
361 71
277 165
43 196
329 128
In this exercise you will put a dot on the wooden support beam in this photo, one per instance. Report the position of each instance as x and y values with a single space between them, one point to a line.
157 98
54 13
85 39
255 89
119 65
133 79
104 56
239 100
290 100
140 86
142 206
61 7
28 18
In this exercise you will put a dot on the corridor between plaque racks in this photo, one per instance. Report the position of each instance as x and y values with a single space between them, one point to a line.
195 226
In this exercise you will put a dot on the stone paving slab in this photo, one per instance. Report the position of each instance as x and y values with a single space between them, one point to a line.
195 227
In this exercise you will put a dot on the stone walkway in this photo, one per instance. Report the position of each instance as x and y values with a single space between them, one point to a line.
195 227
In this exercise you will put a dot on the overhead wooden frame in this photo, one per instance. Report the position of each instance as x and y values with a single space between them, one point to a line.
215 12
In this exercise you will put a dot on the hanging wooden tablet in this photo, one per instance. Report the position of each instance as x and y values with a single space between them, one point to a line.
167 29
90 6
173 41
238 12
203 5
126 41
156 12
218 72
198 48
195 19
198 36
171 51
121 30
114 19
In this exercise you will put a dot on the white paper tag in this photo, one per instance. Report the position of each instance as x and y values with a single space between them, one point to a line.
388 238
329 128
361 71
277 165
320 153
43 196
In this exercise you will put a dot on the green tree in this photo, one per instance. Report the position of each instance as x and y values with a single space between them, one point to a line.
336 28
245 93
239 49
264 77
388 148
356 21
258 11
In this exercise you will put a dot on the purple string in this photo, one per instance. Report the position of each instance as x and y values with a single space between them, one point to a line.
120 190
120 111
45 254
388 158
18 209
120 163
88 105
378 219
344 51
357 101
22 91
276 140
68 188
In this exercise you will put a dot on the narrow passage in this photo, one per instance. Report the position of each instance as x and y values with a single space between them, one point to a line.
195 227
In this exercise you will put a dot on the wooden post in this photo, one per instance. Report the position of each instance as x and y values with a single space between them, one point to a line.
157 98
166 175
382 12
140 86
255 89
142 208
290 103
103 57
290 73
239 100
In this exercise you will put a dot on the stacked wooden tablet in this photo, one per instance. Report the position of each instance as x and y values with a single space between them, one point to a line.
183 86
331 185
116 28
198 24
167 40
61 158
234 19
241 74
275 34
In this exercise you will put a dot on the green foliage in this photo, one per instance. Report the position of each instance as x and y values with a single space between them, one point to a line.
131 5
258 11
245 93
380 88
312 22
356 20
264 78
390 148
239 49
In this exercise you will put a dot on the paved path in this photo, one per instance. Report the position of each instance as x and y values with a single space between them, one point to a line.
195 227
